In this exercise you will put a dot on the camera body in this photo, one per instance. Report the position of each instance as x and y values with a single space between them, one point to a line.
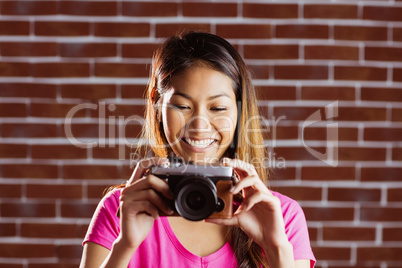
200 191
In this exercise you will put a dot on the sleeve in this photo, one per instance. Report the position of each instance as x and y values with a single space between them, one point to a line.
296 230
105 225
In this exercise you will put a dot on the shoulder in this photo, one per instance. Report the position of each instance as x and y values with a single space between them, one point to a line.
111 200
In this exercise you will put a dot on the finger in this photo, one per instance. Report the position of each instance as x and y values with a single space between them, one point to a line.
154 198
144 165
250 181
149 182
227 222
140 207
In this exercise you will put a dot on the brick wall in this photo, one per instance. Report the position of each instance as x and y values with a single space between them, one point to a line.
336 62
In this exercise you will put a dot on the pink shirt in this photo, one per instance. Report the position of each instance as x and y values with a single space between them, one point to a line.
161 248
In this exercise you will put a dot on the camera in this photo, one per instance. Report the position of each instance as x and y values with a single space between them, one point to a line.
200 191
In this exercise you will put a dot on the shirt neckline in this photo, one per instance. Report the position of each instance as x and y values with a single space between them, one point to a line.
186 253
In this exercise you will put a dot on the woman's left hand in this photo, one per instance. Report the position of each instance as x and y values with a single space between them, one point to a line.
260 214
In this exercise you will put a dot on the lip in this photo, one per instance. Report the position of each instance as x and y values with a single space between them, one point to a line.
197 149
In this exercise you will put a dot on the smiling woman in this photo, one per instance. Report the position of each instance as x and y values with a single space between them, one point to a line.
195 113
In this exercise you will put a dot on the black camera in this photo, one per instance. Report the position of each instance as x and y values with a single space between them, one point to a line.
200 191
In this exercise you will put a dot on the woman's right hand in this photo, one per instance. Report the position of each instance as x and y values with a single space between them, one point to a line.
140 203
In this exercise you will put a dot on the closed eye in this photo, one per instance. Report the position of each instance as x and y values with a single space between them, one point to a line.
180 107
219 109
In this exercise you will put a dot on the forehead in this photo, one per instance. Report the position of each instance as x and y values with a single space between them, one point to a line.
203 81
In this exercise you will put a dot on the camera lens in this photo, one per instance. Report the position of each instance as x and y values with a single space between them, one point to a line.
196 198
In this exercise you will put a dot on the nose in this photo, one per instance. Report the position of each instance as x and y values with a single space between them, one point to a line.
199 123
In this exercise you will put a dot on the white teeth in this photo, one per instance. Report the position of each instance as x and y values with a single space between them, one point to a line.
200 143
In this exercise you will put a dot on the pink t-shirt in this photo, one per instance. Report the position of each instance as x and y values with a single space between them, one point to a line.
161 248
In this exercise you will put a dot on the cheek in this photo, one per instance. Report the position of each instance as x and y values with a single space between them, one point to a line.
173 123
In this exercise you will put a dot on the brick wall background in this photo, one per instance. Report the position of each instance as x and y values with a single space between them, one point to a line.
89 61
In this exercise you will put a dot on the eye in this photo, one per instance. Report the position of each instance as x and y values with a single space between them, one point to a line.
218 109
180 107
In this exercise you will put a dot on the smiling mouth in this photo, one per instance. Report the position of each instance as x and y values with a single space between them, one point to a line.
199 143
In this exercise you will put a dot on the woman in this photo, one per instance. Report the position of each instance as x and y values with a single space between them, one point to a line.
199 97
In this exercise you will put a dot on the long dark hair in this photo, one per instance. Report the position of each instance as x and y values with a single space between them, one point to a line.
178 53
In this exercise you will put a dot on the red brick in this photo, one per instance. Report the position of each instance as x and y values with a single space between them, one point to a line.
362 154
133 91
7 230
276 93
77 210
121 70
357 73
282 132
381 94
28 90
14 27
296 113
361 114
330 11
13 110
120 110
85 50
392 234
121 29
332 253
274 11
149 9
382 134
10 191
96 191
54 110
259 71
30 171
381 174
28 7
349 234
382 13
60 263
397 34
14 250
328 213
329 173
301 193
328 93
271 52
69 252
278 174
58 152
50 230
363 33
383 253
85 8
354 194
88 91
331 52
383 53
61 28
320 133
168 29
243 31
296 153
15 69
301 72
90 172
302 31
54 191
8 150
25 210
202 9
84 130
35 49
29 130
143 50
394 195
397 154
61 69
397 115
397 75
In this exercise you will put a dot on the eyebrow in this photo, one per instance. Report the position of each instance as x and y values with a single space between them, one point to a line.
184 95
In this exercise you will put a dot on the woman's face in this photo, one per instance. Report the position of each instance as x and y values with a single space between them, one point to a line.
199 114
